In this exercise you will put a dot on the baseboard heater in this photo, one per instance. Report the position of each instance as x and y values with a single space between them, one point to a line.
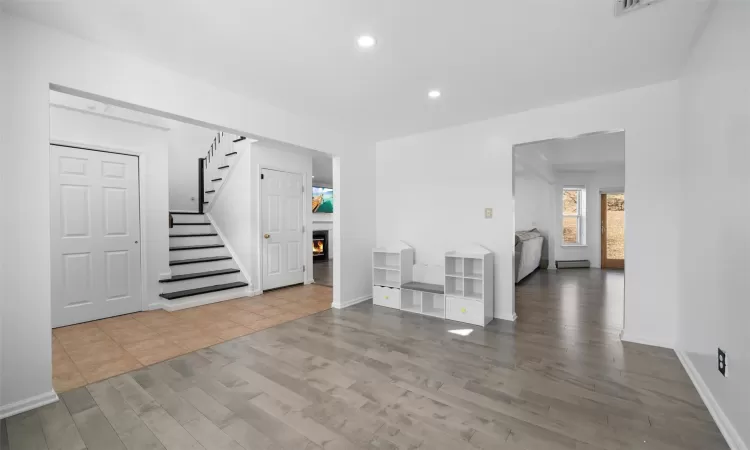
576 264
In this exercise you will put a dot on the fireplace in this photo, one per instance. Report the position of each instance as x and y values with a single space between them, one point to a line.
320 245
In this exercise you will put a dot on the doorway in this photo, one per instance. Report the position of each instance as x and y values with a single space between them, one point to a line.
613 230
282 228
95 235
561 189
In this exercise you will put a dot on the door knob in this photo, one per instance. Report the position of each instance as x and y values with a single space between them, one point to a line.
266 235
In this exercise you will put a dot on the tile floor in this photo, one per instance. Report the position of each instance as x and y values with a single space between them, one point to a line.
94 351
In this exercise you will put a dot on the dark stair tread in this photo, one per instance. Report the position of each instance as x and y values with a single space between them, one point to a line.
194 247
190 213
211 191
203 290
217 179
193 235
181 262
192 276
242 138
199 224
230 154
224 167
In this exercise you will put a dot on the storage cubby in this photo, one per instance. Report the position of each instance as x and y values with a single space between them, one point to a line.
411 300
468 286
391 268
454 285
473 268
454 266
433 305
473 288
387 261
389 278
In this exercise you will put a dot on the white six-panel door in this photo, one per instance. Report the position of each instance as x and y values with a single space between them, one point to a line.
283 234
95 234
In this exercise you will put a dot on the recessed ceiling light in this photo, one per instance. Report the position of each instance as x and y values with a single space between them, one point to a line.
366 41
434 94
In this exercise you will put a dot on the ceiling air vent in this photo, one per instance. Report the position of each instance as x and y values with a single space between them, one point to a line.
626 6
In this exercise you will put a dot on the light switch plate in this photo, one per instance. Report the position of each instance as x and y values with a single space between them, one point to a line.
488 213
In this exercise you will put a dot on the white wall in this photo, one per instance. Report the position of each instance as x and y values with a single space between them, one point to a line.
594 182
150 143
237 208
187 143
432 188
38 56
231 213
7 286
714 309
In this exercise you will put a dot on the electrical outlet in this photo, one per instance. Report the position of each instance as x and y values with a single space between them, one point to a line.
722 362
488 213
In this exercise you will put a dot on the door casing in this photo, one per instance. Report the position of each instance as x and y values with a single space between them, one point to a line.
605 262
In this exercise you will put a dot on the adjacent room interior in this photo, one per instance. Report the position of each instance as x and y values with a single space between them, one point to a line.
569 255
155 223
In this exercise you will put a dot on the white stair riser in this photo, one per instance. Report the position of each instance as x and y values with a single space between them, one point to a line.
192 229
201 282
189 218
186 241
200 253
203 267
195 300
215 185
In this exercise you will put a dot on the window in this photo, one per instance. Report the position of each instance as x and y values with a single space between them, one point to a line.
574 216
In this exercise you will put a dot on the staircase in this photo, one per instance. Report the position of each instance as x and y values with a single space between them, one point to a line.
202 268
199 261
219 159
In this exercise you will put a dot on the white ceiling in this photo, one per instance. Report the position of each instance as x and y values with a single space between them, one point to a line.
594 152
488 57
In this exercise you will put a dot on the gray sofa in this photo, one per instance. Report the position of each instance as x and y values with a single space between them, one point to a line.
528 252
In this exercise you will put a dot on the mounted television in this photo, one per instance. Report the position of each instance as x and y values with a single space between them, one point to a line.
322 201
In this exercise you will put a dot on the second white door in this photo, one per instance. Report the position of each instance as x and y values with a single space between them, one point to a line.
283 232
95 235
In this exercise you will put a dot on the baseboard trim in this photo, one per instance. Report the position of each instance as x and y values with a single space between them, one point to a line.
722 421
627 337
509 318
352 302
207 299
28 404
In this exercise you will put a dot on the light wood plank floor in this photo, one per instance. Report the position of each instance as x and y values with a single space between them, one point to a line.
376 378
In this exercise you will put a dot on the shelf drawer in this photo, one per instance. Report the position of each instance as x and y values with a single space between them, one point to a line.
385 296
463 310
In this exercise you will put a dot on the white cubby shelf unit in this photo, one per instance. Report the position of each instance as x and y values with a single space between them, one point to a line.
391 267
469 286
467 295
